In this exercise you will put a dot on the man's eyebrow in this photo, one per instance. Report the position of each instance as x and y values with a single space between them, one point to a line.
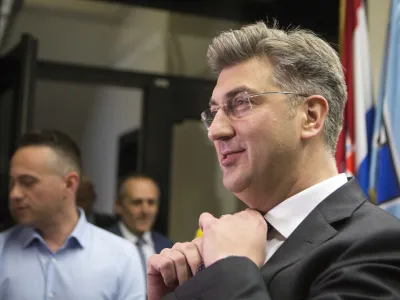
231 94
27 176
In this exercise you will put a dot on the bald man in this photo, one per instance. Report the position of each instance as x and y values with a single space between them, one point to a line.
137 206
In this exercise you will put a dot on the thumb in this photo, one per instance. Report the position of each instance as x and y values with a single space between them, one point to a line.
205 220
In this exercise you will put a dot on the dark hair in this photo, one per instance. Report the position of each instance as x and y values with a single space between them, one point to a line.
123 180
85 184
58 141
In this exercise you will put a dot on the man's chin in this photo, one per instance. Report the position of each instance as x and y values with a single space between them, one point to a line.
23 221
235 183
143 229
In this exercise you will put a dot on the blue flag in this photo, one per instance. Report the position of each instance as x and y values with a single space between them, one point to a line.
385 158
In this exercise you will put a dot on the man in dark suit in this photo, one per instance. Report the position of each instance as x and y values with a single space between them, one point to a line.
309 233
137 207
85 198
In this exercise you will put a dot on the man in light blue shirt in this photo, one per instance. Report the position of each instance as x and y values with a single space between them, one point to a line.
54 253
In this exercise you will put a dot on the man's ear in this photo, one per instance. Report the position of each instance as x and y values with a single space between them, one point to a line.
315 111
117 207
72 181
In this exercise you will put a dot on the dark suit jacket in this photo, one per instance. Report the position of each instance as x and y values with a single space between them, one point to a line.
103 220
347 248
160 241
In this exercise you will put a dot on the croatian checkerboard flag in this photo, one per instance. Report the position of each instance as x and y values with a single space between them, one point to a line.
354 144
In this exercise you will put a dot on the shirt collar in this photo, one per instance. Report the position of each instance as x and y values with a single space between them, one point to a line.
79 234
81 230
127 234
287 215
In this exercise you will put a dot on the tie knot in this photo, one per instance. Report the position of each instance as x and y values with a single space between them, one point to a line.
270 227
140 242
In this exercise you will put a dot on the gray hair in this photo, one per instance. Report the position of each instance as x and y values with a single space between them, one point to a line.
303 63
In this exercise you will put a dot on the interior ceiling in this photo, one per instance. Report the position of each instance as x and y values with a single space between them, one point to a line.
321 16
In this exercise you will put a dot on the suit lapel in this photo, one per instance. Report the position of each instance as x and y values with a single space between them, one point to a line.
316 228
157 246
311 233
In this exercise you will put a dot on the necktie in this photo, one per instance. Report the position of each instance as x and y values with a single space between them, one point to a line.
270 229
139 245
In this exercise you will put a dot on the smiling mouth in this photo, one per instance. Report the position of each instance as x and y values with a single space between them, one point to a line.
229 159
232 153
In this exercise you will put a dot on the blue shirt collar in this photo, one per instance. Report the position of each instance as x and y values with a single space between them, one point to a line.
79 236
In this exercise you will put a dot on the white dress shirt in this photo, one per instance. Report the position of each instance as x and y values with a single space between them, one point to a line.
287 215
148 246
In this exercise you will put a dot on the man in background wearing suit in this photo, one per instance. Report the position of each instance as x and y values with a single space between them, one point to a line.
137 207
85 198
309 233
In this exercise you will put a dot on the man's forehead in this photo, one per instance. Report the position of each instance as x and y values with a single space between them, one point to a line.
32 160
32 156
141 186
253 76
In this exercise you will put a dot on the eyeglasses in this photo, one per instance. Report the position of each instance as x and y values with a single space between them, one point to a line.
236 107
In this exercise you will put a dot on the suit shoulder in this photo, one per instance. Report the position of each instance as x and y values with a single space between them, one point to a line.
368 224
377 217
104 220
113 229
161 237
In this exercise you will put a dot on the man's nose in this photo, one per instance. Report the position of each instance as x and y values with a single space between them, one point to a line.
15 192
221 128
144 207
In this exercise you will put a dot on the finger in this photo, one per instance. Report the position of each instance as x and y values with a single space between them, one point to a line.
205 220
259 211
154 264
181 265
166 268
250 213
192 255
155 282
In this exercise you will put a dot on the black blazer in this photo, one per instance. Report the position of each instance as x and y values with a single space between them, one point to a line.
160 241
347 248
103 220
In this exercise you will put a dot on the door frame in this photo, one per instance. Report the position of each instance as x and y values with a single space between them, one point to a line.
167 100
18 67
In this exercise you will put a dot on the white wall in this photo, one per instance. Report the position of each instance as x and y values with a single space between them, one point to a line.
115 111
